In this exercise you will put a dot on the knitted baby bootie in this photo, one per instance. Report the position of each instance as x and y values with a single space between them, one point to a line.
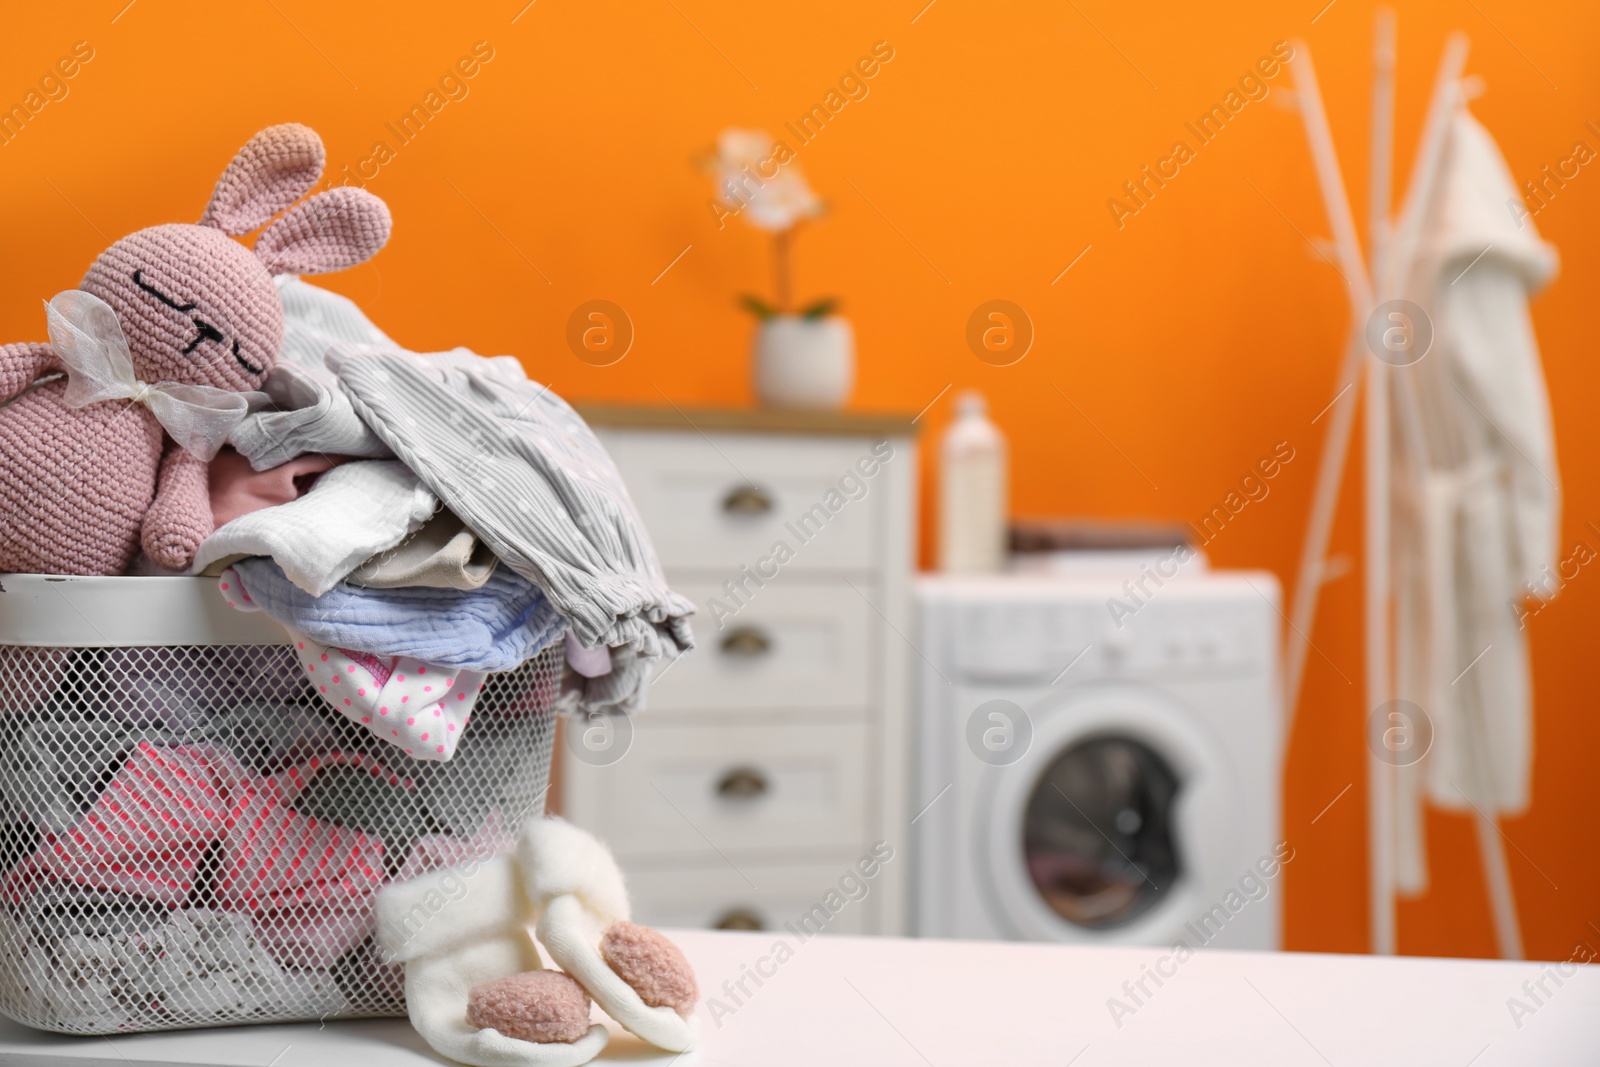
636 975
462 932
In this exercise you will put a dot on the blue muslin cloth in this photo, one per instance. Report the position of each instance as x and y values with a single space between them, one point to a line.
494 628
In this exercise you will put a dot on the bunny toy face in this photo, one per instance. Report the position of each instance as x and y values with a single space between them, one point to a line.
199 307
196 306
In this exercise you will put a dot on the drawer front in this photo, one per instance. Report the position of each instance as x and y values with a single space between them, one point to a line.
723 506
710 790
715 897
787 645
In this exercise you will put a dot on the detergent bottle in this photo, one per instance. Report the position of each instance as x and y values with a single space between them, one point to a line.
972 491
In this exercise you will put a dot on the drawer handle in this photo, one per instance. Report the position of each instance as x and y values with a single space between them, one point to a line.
740 919
742 783
746 642
747 500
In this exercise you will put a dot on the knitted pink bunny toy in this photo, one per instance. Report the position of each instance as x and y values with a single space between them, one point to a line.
81 487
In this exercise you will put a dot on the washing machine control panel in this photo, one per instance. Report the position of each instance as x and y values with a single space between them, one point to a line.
1029 641
1020 640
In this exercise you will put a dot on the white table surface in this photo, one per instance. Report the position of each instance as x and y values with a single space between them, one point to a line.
954 1004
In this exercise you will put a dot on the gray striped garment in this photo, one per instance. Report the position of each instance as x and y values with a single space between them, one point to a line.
309 413
528 476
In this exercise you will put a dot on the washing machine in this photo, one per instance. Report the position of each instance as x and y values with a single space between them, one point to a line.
1099 757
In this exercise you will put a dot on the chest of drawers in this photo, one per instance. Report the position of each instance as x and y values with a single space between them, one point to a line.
772 759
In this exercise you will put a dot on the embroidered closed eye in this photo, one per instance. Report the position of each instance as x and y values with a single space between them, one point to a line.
209 332
138 279
245 363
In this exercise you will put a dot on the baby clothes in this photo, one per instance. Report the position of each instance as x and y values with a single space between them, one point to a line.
488 774
168 970
530 478
353 798
438 851
588 662
444 554
182 691
310 884
496 627
509 457
355 511
236 489
420 710
308 413
57 764
307 416
271 737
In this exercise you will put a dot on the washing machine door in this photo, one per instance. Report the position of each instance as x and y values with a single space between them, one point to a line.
1117 826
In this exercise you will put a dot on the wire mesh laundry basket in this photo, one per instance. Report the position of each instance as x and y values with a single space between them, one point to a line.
190 837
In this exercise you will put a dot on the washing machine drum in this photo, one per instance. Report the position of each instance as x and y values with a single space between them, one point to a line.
1115 824
1099 832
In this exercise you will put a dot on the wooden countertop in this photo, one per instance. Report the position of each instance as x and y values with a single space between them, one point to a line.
875 424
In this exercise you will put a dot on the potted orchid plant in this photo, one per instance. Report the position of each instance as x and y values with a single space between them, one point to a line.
803 357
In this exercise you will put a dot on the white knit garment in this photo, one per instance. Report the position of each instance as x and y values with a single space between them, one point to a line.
352 513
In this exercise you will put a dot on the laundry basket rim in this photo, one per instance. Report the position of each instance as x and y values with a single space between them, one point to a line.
68 611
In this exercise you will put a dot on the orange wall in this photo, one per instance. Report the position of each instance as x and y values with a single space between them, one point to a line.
979 166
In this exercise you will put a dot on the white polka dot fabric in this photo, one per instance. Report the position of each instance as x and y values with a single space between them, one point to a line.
419 708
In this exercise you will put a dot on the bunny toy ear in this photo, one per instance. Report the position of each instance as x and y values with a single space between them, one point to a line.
331 231
277 167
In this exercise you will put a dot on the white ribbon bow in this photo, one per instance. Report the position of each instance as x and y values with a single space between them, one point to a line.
88 340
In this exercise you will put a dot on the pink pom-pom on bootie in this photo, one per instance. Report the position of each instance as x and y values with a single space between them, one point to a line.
538 1006
652 965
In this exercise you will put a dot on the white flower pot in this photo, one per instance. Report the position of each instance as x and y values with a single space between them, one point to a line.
804 363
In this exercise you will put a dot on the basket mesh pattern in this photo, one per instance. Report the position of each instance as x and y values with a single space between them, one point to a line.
190 837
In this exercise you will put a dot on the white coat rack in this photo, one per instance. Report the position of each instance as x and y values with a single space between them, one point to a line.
1389 399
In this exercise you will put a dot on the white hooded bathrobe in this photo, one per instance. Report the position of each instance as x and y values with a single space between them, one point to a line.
1477 496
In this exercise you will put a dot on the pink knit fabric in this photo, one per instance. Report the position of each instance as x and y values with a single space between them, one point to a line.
309 884
146 833
338 229
197 307
236 488
540 1006
180 516
277 167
